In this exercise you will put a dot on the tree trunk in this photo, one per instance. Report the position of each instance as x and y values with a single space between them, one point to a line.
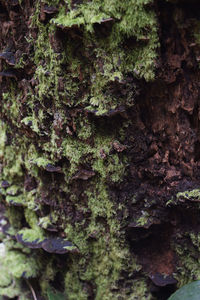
99 148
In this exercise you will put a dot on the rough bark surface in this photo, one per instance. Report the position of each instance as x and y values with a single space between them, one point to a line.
99 148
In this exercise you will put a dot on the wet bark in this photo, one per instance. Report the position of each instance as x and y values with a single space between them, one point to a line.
100 148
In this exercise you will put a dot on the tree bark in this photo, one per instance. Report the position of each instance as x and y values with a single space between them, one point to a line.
99 148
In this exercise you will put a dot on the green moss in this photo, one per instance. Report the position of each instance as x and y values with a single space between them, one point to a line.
45 222
130 19
35 233
14 216
74 151
83 70
76 289
70 20
11 100
13 190
188 265
106 255
140 291
31 235
143 220
189 195
14 266
15 200
33 123
11 291
31 218
25 266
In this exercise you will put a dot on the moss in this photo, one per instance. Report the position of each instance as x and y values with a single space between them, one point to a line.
25 265
113 59
131 19
76 289
143 220
45 222
31 235
187 244
189 195
112 166
32 122
13 190
12 290
84 129
31 218
12 272
15 200
11 100
47 275
74 151
189 266
107 253
14 216
81 71
140 291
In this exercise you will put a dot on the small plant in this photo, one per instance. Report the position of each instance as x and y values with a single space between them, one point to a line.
190 291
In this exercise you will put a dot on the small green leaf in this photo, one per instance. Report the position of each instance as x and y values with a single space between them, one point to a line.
190 291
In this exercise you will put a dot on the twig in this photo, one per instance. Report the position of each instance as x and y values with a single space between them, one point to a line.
32 290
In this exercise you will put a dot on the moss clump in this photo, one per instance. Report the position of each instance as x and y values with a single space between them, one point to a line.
189 265
104 250
193 195
188 195
16 265
131 19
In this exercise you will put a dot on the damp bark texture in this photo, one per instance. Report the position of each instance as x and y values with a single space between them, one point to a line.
99 148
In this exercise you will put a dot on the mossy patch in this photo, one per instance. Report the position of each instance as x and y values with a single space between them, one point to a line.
86 61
